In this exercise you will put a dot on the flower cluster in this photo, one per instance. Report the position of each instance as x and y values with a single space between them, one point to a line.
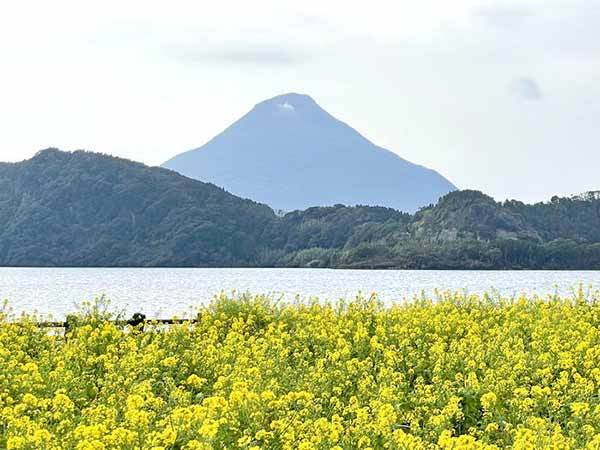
458 372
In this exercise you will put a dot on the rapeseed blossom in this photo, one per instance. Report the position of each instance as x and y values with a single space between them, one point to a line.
460 372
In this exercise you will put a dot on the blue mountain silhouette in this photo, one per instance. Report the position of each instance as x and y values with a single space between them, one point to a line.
291 154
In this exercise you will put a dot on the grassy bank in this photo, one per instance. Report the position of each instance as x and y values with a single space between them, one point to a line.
456 373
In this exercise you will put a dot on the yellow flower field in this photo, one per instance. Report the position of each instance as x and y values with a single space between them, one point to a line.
455 373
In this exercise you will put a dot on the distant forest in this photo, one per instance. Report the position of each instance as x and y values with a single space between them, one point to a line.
87 209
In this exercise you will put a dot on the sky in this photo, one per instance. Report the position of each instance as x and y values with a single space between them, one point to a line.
499 96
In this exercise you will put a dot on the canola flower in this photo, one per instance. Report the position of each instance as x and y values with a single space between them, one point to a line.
460 372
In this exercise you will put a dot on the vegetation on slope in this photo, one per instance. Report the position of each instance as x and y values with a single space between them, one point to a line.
464 230
86 209
458 372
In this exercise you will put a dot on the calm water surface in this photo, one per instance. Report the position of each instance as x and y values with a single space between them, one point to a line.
167 292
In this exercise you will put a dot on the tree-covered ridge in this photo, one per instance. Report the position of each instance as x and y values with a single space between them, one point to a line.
87 209
576 217
470 215
465 229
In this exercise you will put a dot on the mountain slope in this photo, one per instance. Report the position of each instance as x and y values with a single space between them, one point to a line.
289 153
87 209
464 230
471 215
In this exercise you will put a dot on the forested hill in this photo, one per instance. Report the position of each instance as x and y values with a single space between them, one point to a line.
87 209
469 230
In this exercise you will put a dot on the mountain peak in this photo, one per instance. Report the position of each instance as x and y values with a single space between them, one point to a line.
289 104
290 153
290 97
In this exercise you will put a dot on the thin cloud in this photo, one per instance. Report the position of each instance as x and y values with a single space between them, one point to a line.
504 16
525 89
286 107
238 56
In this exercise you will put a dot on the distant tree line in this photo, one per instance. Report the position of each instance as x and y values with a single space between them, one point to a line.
86 209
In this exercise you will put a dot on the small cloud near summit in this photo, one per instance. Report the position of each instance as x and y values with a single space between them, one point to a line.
286 106
525 89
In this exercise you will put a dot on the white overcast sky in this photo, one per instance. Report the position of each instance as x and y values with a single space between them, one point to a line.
501 96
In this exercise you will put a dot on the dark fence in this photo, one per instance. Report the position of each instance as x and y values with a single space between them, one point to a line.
138 320
124 322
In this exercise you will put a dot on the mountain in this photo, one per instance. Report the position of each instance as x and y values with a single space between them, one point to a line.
291 154
87 209
471 215
464 230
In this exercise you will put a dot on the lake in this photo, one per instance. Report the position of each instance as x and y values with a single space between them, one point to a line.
162 293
